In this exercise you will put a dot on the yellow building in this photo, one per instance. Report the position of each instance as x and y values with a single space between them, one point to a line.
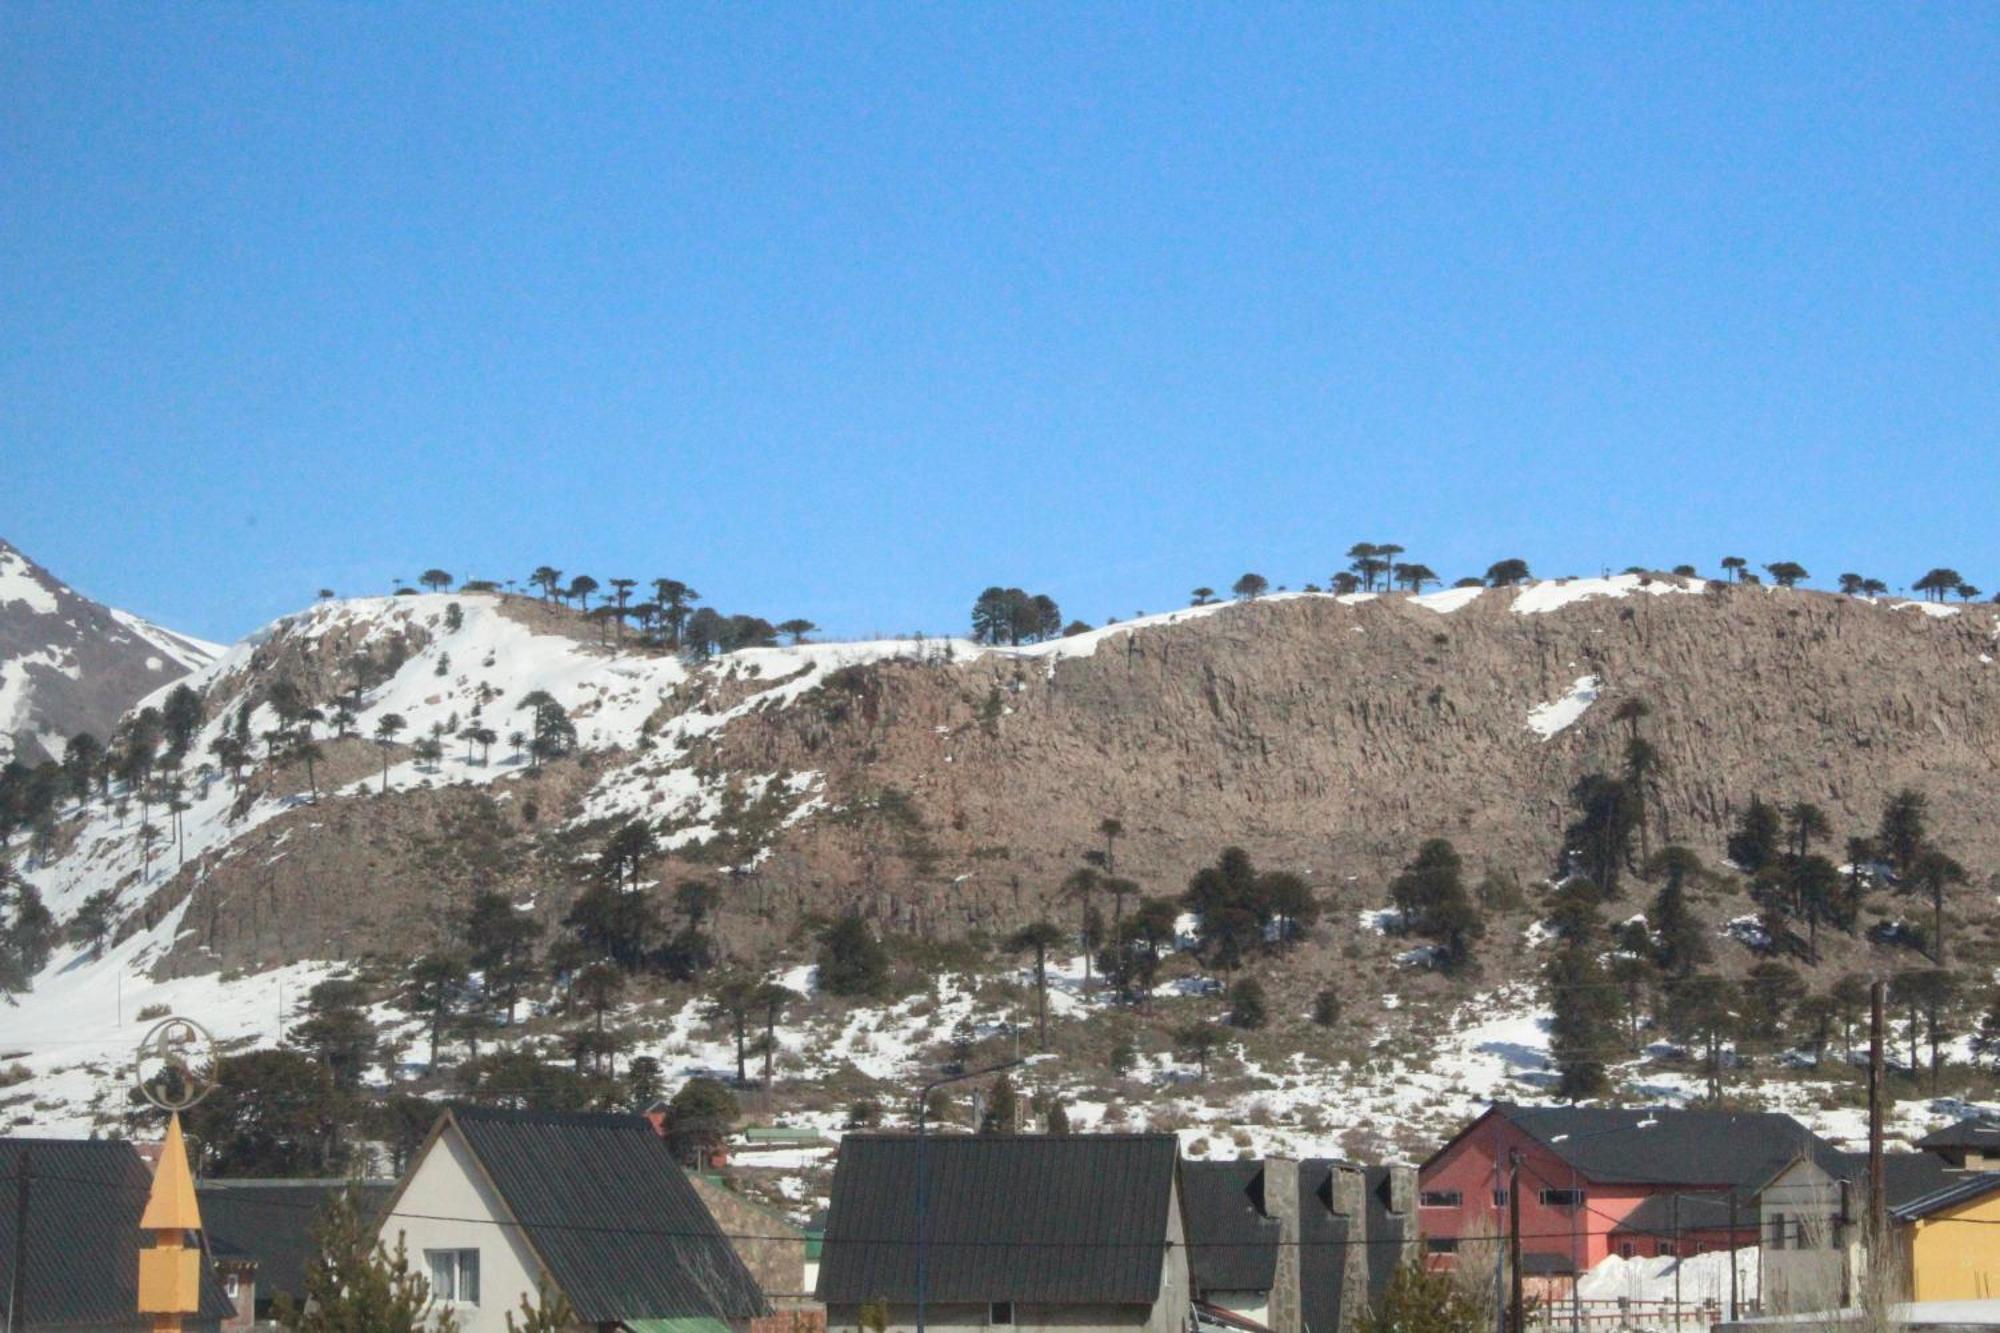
1952 1238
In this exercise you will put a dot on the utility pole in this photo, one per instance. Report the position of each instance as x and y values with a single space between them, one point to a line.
1732 1254
1500 1251
17 1298
1517 1304
1878 1203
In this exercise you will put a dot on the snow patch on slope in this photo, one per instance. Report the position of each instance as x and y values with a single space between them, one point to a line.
1545 720
1553 594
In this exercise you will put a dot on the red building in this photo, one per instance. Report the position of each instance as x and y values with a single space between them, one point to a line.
1597 1181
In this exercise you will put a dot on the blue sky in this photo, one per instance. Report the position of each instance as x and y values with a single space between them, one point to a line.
847 311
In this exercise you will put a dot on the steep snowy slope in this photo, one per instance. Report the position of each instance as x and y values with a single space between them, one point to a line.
68 664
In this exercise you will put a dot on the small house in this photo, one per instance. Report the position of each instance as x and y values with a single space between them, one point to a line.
499 1205
1078 1231
1973 1144
260 1234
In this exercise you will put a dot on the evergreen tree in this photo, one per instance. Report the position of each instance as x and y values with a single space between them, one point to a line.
580 589
1201 597
1734 565
91 926
1038 938
851 960
1787 573
181 716
1366 561
1003 1109
437 580
698 1119
1504 573
1598 844
1933 875
1756 841
1903 832
337 1032
1197 1041
1702 1008
1770 990
1578 992
1247 1007
732 999
1421 1300
550 1313
1928 994
1937 583
433 988
796 629
1415 576
1326 1008
554 735
270 1113
1680 944
771 998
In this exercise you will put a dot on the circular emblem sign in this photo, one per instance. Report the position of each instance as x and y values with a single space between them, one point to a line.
176 1066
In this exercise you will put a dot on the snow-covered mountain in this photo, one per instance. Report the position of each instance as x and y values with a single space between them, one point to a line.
69 664
946 789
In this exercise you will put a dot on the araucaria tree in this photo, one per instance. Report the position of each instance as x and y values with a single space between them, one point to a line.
1431 898
1579 993
1038 937
1249 587
1013 616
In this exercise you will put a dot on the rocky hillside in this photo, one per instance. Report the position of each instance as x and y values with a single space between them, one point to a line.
943 787
69 664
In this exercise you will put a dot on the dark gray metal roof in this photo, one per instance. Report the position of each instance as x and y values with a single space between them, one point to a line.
1657 1216
1384 1257
1232 1244
84 1201
1962 1190
272 1221
1324 1240
1906 1176
1074 1218
607 1208
1609 1145
1972 1132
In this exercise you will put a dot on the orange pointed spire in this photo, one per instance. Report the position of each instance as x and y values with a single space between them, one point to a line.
171 1206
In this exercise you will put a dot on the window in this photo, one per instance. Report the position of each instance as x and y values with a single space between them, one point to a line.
1777 1239
1665 1249
1626 1249
1440 1199
454 1276
1441 1244
1499 1198
1000 1312
1561 1198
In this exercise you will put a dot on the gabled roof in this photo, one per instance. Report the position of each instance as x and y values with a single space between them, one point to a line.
272 1221
84 1202
1072 1218
1906 1176
1962 1190
602 1202
1972 1132
1609 1145
1232 1242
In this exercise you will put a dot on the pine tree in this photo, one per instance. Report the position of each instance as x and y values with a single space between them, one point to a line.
1903 833
1249 587
851 960
732 999
1577 990
1038 937
1247 1008
1756 842
1504 573
1680 944
1787 573
432 990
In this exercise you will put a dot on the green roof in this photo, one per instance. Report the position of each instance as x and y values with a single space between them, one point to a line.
690 1324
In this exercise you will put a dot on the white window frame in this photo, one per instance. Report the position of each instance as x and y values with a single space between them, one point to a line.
1440 1198
457 1259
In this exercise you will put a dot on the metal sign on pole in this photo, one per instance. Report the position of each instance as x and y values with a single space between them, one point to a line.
175 1069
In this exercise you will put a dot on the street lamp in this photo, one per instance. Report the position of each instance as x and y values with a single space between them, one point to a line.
923 1120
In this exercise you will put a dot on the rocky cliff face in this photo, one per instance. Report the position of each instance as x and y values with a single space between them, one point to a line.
68 664
1333 737
944 789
